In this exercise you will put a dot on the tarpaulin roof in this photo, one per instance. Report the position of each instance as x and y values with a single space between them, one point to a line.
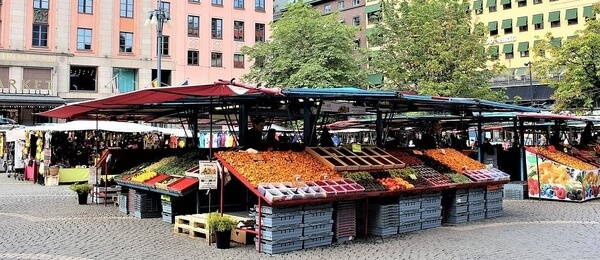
346 93
472 103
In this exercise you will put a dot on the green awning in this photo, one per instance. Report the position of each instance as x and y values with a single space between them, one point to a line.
507 48
372 8
520 71
494 50
537 42
491 3
506 23
523 46
571 14
478 4
522 21
518 1
375 79
369 31
588 11
537 19
554 16
556 41
493 26
504 2
571 37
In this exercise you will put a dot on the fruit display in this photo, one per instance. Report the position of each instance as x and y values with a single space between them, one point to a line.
372 185
357 176
277 166
162 162
430 175
179 164
411 176
454 160
562 158
586 156
405 157
396 183
142 177
458 178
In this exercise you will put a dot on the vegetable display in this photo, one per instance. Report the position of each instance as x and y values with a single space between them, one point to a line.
454 160
405 157
458 178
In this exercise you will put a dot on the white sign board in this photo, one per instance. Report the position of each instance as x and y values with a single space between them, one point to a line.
209 174
342 107
499 40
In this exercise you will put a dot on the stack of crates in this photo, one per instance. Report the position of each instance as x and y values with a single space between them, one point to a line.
458 211
493 203
281 229
123 203
409 209
317 225
146 205
476 204
167 209
431 210
344 221
384 219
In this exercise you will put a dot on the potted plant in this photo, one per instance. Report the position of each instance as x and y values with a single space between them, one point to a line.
82 191
221 225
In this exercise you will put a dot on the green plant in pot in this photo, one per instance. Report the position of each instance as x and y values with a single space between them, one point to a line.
221 225
82 191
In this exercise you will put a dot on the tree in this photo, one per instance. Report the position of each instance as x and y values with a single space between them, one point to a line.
578 58
307 49
432 47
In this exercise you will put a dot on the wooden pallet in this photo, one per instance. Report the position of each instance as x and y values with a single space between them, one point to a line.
194 226
343 159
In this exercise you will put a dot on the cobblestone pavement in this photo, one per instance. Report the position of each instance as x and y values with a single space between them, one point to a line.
42 223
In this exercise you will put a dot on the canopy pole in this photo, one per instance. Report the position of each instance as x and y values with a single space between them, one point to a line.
195 140
522 148
210 124
379 127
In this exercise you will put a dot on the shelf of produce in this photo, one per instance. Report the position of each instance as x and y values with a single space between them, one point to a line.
183 190
184 186
560 157
158 178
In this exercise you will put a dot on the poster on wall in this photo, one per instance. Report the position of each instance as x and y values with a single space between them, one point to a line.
208 176
548 179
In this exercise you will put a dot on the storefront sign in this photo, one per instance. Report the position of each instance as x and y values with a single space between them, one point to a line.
500 40
27 86
208 175
26 57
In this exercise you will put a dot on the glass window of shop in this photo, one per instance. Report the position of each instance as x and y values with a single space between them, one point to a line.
82 78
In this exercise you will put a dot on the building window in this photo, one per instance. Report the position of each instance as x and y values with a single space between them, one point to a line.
238 31
507 26
554 24
127 8
554 19
165 45
493 27
523 28
239 4
238 61
507 6
40 4
85 6
194 1
355 2
125 42
259 32
538 21
508 51
356 20
217 28
40 35
374 17
84 39
341 4
217 2
523 49
259 5
571 16
536 2
356 44
524 54
166 6
521 3
193 26
82 78
192 57
327 8
216 59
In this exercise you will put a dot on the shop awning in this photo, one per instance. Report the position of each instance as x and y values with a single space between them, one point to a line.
588 12
522 21
372 8
518 1
32 100
494 50
504 2
507 48
571 14
491 3
493 26
554 16
478 4
537 19
506 23
523 46
375 79
556 41
571 37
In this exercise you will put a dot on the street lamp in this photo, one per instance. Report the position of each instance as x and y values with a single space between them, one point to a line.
158 16
529 64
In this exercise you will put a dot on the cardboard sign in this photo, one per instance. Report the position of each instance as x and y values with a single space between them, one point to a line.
356 148
207 179
412 176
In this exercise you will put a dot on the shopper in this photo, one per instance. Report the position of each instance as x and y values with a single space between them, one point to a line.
271 142
253 137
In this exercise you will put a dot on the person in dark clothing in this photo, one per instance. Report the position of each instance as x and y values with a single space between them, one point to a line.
271 141
253 137
587 137
326 140
428 140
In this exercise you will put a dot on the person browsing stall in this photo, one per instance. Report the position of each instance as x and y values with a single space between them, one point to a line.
428 140
253 137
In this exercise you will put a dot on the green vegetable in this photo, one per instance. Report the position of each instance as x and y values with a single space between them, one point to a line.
357 176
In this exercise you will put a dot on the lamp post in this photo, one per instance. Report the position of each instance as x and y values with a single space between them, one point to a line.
529 64
158 16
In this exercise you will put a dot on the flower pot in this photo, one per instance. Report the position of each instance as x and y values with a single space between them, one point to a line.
223 239
82 197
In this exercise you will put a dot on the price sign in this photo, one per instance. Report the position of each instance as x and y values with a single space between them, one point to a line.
356 148
412 176
325 177
298 178
208 175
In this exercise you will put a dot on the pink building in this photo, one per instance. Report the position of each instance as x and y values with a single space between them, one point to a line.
57 50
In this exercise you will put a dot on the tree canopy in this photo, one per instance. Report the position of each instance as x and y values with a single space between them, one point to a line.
432 47
307 49
579 60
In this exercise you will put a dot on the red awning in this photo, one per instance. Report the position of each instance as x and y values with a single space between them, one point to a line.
155 95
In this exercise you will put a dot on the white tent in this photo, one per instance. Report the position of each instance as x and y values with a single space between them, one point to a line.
84 125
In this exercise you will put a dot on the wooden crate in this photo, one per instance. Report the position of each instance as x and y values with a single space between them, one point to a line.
193 226
344 159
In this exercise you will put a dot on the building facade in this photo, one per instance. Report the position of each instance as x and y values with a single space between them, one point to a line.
52 51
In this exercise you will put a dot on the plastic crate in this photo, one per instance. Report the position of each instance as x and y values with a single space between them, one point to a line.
460 191
477 190
431 213
431 194
272 220
146 203
494 213
123 203
409 197
318 206
276 210
458 208
388 231
494 194
310 230
516 194
410 217
457 219
431 202
476 206
408 205
409 227
476 215
168 217
493 204
460 198
431 223
278 248
476 196
318 217
316 242
166 207
281 234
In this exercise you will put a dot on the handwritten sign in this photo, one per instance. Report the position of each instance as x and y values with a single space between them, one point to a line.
208 176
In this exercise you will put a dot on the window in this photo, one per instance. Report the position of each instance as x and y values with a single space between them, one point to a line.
491 5
508 51
538 21
194 1
239 4
327 8
571 16
374 17
356 20
493 51
217 28
521 3
524 54
40 35
523 49
340 4
166 6
356 44
85 6
193 26
507 26
84 39
493 27
238 61
125 42
217 2
165 45
238 31
478 6
554 19
259 5
536 2
127 8
82 78
216 59
355 2
259 32
506 6
40 4
193 58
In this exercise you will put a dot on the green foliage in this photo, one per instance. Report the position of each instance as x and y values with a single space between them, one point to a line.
307 49
432 47
579 87
219 223
81 188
